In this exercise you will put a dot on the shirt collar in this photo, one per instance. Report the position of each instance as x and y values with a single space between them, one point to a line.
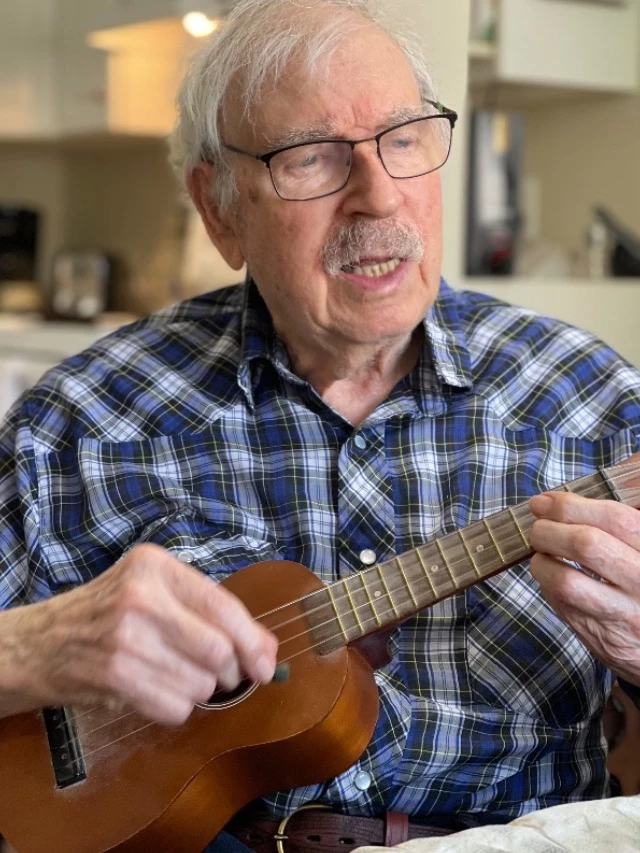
444 335
446 349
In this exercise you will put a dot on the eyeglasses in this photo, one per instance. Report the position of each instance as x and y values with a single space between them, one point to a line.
311 170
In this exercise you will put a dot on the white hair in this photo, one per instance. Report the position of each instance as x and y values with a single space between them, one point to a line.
256 44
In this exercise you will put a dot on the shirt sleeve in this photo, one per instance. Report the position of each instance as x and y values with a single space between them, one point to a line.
23 579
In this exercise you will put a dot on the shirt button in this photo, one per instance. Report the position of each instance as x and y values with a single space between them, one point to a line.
185 556
368 557
363 781
360 442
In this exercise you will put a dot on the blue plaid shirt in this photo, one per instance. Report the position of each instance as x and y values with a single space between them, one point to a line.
190 430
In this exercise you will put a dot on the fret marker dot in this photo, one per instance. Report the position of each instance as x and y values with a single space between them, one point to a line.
435 569
480 549
377 594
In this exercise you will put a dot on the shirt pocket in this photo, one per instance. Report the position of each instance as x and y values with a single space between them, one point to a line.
218 555
99 500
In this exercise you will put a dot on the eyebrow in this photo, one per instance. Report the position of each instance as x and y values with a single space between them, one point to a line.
296 135
329 130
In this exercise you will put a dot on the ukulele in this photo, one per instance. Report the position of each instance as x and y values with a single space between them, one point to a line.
91 780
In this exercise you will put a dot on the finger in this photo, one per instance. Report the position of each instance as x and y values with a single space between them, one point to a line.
619 520
563 586
592 548
207 645
141 637
254 645
605 619
218 608
153 692
575 597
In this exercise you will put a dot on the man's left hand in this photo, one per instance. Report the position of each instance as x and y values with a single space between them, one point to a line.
603 537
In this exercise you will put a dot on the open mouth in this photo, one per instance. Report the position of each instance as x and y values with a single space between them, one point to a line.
373 270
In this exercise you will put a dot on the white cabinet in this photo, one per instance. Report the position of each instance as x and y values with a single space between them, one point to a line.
115 61
27 87
80 16
54 84
584 46
28 348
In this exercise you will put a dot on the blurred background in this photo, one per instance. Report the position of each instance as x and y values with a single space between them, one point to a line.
542 191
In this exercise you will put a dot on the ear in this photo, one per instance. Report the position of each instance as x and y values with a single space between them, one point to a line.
221 225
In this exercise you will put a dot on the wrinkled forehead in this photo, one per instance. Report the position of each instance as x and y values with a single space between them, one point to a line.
364 81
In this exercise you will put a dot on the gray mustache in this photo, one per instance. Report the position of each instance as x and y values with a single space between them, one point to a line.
354 241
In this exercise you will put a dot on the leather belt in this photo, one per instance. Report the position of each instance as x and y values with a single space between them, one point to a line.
314 828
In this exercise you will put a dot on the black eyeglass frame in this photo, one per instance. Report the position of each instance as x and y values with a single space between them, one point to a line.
444 112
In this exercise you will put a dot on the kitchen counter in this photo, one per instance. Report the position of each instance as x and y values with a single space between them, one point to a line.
30 345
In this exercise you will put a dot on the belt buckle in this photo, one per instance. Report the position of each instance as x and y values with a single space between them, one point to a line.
280 836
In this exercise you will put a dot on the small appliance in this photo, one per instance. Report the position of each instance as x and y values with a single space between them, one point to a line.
80 283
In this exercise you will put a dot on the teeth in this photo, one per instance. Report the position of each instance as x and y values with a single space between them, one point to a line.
375 270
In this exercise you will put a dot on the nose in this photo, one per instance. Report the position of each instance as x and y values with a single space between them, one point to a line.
371 191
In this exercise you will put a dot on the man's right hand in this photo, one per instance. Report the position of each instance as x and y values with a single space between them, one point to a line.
150 633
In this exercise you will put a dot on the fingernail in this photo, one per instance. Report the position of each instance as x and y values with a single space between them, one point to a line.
265 669
541 504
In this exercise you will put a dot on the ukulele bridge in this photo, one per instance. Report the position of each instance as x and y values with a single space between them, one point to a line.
64 746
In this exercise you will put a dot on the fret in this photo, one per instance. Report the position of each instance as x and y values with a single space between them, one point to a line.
611 487
517 524
335 608
469 554
427 573
384 584
447 565
353 607
361 575
493 540
592 486
407 584
446 562
486 560
601 485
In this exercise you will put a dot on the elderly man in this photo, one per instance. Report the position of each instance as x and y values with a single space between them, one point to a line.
341 407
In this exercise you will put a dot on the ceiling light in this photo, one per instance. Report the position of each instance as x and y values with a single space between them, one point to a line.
199 25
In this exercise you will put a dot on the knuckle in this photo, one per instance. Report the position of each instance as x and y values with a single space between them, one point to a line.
167 709
220 601
535 565
144 556
115 673
133 594
180 711
622 520
588 543
123 634
219 652
205 689
564 505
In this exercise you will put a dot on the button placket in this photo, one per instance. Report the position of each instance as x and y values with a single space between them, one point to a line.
366 514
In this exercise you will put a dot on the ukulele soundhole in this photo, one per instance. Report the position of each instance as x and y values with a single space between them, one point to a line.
222 699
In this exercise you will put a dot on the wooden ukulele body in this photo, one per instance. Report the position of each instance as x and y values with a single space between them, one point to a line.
154 788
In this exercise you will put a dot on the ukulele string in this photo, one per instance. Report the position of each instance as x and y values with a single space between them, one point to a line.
339 599
402 587
367 605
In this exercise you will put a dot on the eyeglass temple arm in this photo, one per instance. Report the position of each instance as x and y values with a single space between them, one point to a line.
452 115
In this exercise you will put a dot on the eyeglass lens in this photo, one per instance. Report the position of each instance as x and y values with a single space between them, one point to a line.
321 168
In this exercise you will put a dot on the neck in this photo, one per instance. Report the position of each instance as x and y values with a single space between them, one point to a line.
391 592
354 380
